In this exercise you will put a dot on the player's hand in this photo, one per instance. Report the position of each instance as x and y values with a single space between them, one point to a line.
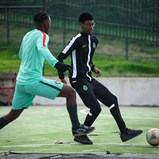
97 72
63 67
63 81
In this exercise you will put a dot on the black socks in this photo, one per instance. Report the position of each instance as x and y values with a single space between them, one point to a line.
72 110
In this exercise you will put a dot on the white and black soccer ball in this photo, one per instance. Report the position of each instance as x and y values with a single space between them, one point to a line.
152 136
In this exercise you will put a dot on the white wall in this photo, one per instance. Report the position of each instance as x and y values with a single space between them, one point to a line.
134 91
129 90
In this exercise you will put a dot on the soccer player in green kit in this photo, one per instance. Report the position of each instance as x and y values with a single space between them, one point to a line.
30 82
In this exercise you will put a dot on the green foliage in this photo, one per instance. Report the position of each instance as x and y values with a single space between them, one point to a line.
109 66
121 67
9 61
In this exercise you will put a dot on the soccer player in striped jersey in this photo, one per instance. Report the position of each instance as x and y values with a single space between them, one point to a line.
81 49
30 81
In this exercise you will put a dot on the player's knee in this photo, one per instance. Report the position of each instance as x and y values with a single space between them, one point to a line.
99 110
13 115
115 99
113 103
71 93
95 111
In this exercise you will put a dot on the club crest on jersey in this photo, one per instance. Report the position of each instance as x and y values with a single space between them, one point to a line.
94 45
85 88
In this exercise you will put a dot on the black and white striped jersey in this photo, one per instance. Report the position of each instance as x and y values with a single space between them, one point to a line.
81 48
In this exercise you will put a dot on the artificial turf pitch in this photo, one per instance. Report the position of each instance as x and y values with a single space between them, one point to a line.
47 129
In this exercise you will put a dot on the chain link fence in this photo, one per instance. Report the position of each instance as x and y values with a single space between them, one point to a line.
120 24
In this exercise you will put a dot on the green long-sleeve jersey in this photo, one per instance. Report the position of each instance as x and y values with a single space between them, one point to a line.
33 53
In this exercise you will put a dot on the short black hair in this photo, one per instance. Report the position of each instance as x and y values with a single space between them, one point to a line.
40 17
84 17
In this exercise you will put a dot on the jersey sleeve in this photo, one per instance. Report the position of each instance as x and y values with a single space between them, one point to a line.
42 46
20 52
61 57
72 45
92 65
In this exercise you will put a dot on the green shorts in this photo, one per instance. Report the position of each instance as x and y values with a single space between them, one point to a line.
24 94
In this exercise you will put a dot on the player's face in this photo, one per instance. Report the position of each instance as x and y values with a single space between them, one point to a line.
47 25
88 26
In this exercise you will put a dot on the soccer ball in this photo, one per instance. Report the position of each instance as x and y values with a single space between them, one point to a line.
152 137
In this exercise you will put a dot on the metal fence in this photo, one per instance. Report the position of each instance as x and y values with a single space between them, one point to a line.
120 19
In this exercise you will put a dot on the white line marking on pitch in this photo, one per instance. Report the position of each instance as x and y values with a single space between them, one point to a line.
38 145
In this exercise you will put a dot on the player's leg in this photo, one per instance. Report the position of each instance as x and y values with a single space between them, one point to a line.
21 100
70 95
51 89
12 115
110 100
85 91
71 104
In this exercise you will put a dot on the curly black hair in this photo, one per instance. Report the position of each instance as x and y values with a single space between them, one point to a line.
40 17
84 17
